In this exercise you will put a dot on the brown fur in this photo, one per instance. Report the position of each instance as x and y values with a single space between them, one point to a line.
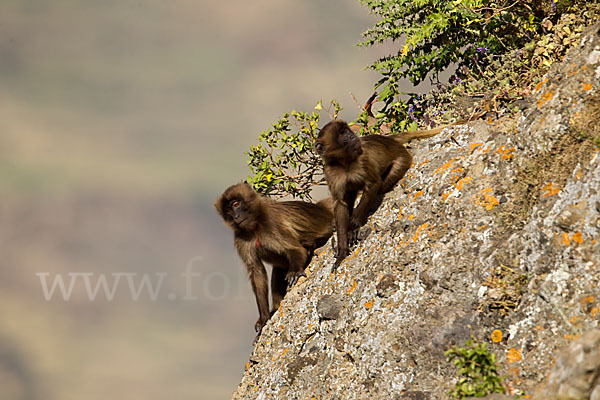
370 164
281 233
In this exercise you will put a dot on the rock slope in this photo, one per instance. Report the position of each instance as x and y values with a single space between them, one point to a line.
493 234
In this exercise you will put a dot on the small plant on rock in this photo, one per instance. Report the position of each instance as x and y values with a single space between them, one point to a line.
477 369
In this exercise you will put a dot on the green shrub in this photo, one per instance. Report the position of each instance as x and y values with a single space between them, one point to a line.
467 34
477 369
284 162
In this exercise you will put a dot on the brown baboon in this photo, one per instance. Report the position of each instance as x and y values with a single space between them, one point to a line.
370 164
281 233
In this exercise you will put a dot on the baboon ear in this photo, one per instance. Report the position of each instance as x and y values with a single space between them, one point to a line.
319 148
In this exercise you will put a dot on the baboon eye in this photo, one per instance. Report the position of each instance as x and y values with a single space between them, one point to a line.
235 204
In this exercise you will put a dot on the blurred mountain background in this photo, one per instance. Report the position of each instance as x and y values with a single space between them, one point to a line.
120 123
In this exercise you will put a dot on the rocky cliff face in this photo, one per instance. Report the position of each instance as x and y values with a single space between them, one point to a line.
494 229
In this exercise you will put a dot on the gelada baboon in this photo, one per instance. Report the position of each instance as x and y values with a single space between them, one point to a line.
281 233
369 164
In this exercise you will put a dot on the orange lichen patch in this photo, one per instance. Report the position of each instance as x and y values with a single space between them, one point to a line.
446 165
595 311
574 319
505 152
400 212
587 86
587 300
474 146
545 98
485 199
369 303
411 217
570 336
419 193
445 196
426 161
460 183
421 229
247 365
414 237
550 189
513 355
497 336
486 149
352 288
576 237
538 87
538 327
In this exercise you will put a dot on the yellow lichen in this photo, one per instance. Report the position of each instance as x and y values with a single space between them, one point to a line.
513 355
496 336
538 87
549 189
587 300
545 98
587 86
444 166
485 199
352 288
460 183
505 152
474 146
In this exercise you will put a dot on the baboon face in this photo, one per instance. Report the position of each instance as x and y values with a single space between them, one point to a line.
337 141
237 207
237 210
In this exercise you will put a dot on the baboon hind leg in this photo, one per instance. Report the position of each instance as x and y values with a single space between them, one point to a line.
396 172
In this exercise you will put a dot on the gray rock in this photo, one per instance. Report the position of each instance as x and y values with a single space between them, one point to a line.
329 307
